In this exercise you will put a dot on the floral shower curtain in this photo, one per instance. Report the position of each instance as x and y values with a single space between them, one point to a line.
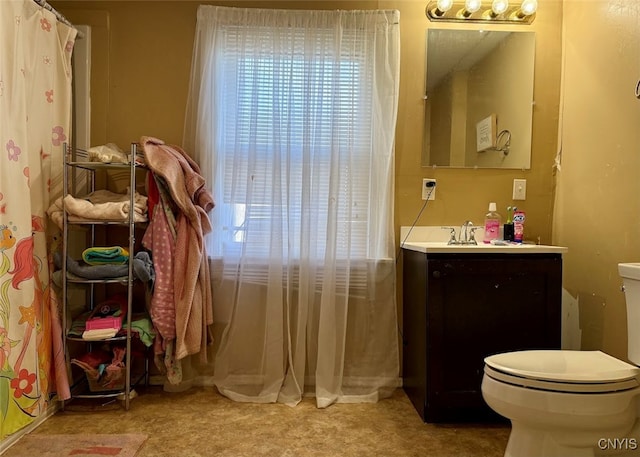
35 118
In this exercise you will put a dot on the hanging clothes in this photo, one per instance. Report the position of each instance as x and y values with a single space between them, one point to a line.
181 304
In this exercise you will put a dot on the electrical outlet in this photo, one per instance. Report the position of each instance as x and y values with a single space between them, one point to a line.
428 189
519 189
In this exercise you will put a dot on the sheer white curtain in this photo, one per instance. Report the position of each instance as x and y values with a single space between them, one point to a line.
292 116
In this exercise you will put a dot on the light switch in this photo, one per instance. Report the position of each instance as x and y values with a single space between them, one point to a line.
519 189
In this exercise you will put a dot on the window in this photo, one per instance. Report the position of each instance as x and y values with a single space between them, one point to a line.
289 120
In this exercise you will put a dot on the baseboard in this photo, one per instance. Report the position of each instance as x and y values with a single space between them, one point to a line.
198 381
157 380
12 439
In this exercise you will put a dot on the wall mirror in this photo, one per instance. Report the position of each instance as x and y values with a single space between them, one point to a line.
479 98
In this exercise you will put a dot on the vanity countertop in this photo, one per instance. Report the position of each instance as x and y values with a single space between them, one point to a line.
441 247
433 239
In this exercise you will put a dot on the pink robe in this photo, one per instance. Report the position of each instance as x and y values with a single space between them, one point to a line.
191 278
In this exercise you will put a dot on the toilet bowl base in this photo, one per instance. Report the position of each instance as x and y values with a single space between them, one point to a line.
527 442
552 424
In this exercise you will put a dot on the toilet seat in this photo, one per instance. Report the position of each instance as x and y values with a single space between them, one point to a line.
563 371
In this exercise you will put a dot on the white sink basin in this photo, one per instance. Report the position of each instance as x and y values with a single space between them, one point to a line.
629 270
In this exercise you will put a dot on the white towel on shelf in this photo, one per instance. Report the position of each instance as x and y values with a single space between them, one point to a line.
99 334
99 205
107 153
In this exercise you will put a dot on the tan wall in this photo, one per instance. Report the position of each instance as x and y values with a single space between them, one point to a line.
506 91
142 54
141 63
441 121
598 198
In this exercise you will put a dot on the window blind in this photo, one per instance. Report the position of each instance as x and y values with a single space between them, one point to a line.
289 119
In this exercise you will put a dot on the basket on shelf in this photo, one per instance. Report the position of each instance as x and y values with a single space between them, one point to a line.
102 375
113 379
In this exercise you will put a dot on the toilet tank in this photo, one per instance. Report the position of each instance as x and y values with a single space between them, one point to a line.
630 273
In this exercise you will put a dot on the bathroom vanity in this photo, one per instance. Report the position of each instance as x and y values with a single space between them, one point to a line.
463 303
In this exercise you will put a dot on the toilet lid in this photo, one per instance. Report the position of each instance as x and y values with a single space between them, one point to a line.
573 368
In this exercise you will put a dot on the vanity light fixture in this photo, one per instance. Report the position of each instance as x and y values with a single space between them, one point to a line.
440 9
527 8
470 7
495 11
499 7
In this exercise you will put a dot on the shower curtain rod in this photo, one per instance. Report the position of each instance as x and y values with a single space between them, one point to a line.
59 16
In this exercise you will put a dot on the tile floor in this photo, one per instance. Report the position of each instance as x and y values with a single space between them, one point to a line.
202 423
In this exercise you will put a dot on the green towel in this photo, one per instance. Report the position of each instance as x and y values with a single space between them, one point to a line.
114 255
145 330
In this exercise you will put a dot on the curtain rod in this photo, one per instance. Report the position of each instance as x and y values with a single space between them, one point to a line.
59 16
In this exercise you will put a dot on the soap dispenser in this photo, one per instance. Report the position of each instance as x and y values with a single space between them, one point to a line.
492 223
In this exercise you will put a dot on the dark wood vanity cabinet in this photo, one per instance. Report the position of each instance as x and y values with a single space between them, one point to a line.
460 308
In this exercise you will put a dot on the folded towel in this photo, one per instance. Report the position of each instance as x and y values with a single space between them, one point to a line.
99 205
99 334
140 324
142 269
145 330
114 255
107 153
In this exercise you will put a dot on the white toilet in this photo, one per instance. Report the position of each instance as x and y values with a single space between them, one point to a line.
571 403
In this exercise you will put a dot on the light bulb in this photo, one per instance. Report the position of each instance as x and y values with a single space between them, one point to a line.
499 6
472 5
529 7
444 5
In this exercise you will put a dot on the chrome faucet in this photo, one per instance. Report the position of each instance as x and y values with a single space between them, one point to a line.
452 236
466 236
